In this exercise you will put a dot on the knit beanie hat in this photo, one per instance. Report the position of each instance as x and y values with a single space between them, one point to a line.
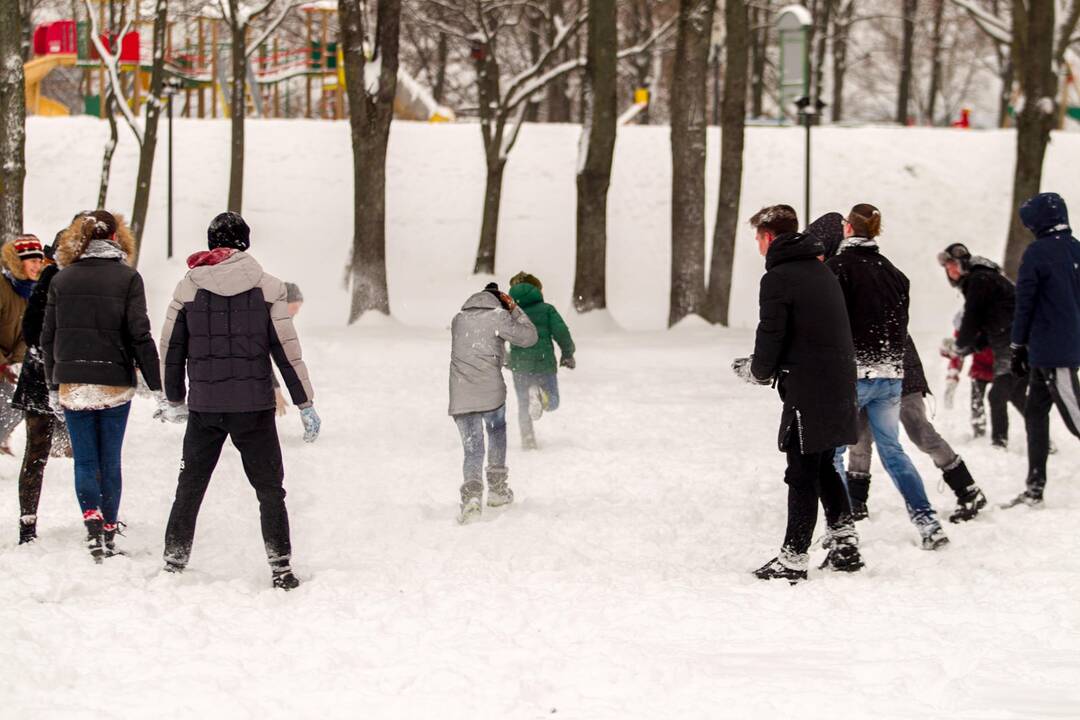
228 230
865 221
28 247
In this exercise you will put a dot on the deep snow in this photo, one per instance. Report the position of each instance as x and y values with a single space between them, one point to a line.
617 586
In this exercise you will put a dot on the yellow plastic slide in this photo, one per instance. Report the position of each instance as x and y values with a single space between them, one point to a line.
36 71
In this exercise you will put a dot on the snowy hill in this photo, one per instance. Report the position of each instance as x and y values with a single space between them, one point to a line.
618 584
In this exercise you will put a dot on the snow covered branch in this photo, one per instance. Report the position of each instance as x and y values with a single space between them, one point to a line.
286 8
112 63
999 29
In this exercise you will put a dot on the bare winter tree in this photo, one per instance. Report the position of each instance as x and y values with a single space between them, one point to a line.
154 106
936 51
12 123
372 85
903 95
597 152
841 27
688 152
732 135
240 18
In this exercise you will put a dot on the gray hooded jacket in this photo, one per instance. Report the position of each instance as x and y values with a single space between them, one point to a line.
479 331
226 321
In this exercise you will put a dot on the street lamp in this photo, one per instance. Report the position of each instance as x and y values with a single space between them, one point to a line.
170 88
809 116
793 25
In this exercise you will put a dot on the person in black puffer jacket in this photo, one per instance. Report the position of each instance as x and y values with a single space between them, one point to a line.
913 417
44 428
877 295
804 347
226 321
96 334
989 301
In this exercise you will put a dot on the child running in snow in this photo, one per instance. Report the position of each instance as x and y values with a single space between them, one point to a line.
478 392
536 382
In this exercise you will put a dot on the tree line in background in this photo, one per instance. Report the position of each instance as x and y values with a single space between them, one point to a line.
593 62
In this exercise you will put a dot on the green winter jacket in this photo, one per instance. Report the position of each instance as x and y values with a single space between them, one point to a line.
540 358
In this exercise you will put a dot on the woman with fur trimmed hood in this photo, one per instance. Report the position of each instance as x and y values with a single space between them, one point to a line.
96 333
21 260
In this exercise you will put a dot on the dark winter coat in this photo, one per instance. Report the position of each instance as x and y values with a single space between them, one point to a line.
914 376
804 342
96 329
877 298
1047 316
989 301
540 359
32 393
226 321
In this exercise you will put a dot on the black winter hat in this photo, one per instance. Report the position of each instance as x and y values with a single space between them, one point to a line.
228 230
829 231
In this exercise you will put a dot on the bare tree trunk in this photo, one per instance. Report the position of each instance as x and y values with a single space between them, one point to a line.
110 148
821 44
237 107
760 24
533 28
1033 23
489 230
935 61
442 56
370 118
558 97
641 18
594 175
153 113
733 126
903 100
26 25
689 94
1008 76
12 123
841 27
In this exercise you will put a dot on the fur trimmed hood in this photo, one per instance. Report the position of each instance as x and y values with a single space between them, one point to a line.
70 246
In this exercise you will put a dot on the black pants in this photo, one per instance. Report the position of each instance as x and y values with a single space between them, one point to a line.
255 435
1048 387
39 434
810 478
1006 388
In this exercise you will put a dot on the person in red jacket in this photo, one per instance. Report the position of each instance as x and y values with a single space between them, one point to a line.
981 373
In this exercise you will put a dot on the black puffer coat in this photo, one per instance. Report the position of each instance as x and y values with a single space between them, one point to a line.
989 302
804 342
32 393
914 376
96 328
877 297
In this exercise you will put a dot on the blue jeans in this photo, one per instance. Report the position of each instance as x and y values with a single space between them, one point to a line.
472 426
97 437
880 398
548 382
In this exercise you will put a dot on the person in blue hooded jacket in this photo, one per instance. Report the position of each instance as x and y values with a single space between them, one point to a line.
1046 331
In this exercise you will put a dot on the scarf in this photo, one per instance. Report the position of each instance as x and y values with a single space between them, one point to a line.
857 242
104 250
22 287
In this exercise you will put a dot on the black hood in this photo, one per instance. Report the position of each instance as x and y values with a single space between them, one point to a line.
1045 214
793 246
829 230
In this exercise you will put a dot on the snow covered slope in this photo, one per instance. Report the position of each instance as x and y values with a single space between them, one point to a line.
618 585
934 187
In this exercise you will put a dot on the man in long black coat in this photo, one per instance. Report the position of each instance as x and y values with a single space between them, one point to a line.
804 347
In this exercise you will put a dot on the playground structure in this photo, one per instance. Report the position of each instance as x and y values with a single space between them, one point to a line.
202 65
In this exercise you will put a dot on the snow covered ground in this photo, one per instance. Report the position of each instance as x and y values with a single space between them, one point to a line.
617 586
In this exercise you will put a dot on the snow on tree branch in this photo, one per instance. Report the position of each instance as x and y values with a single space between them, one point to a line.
111 63
286 8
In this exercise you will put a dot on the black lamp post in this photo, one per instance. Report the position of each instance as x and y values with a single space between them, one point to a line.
809 115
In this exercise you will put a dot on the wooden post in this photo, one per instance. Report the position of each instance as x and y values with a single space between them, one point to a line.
101 66
199 63
324 104
277 89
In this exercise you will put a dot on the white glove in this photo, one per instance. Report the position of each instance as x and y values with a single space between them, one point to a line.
950 392
741 368
169 411
312 423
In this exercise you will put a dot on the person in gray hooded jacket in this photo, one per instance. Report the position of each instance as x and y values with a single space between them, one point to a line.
487 320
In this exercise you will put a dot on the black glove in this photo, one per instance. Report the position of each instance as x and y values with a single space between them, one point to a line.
1020 365
568 362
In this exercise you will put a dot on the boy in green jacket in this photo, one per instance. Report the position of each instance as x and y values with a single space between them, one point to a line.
535 380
